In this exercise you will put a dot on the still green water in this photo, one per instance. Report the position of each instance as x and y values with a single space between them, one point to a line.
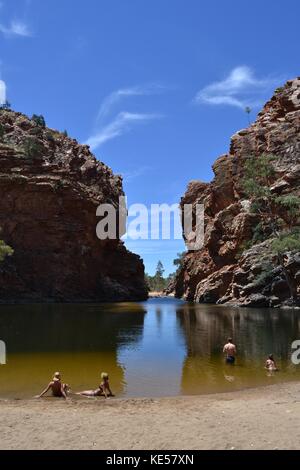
162 347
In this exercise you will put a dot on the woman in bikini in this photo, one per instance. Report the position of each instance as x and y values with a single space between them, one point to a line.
102 390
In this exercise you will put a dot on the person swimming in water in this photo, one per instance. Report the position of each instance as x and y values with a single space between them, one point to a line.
102 390
58 389
271 363
230 351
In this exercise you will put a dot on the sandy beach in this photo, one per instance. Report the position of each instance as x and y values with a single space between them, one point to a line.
263 418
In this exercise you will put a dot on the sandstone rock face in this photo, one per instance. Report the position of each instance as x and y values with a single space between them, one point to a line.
223 271
50 188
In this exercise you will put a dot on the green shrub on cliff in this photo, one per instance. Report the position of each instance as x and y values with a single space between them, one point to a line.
33 148
50 137
290 206
39 120
259 172
1 133
265 275
279 215
259 233
178 262
287 241
5 250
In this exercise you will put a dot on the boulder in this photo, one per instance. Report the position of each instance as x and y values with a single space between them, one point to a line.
257 301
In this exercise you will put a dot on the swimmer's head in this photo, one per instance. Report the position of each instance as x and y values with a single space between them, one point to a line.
271 357
104 376
57 376
229 340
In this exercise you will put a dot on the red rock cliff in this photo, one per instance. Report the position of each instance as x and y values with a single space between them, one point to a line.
50 188
222 271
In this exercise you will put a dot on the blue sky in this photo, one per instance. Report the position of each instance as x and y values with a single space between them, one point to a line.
157 87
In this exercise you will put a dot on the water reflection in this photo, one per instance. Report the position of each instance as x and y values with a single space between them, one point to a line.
256 332
79 340
73 328
154 367
162 347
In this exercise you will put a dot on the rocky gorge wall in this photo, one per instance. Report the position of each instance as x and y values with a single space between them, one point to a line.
50 188
223 271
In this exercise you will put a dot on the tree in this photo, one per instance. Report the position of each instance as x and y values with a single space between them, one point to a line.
248 110
157 283
5 250
279 215
178 262
160 270
148 280
39 120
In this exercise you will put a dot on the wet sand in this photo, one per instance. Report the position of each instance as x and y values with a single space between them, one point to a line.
263 418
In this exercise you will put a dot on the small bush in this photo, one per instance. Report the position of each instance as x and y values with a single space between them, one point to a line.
50 137
39 120
33 148
287 241
5 250
36 131
264 276
243 247
2 133
259 234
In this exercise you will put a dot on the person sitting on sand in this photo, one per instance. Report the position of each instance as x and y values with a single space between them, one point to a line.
270 363
59 390
102 390
230 351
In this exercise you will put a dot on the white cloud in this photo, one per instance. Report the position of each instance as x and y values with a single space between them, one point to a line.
131 175
123 121
240 89
2 92
16 28
115 97
121 124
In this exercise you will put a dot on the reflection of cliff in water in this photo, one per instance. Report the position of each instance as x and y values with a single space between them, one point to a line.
79 340
70 328
256 333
